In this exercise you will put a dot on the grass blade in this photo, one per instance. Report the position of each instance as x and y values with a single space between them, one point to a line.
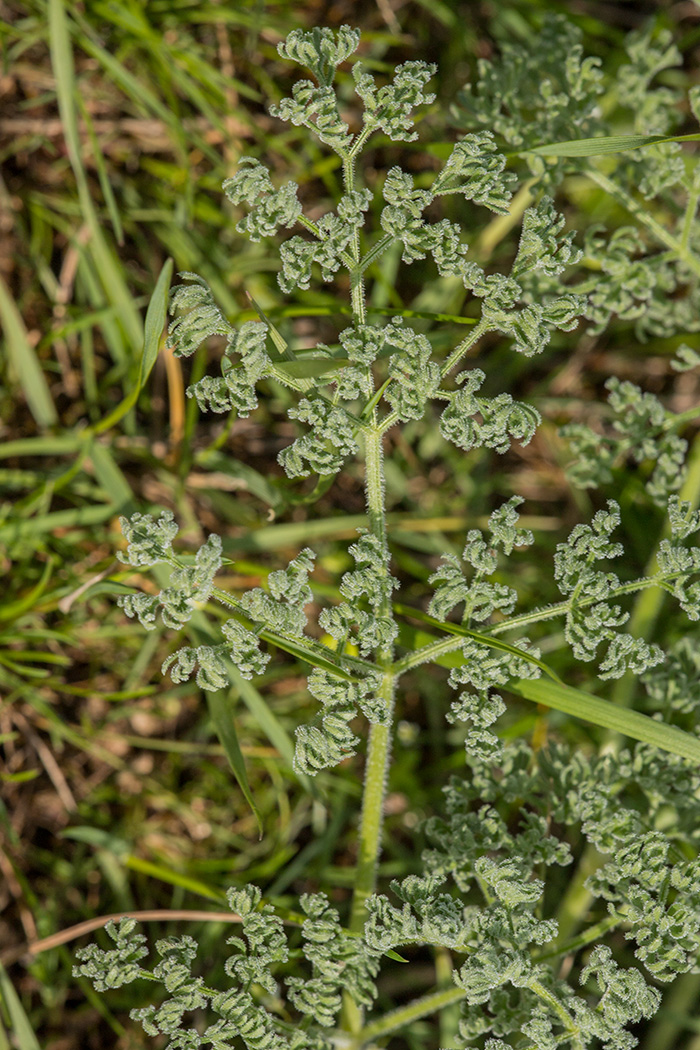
602 713
595 147
24 361
267 720
103 259
153 330
484 639
25 1038
221 706
116 487
103 176
279 340
76 517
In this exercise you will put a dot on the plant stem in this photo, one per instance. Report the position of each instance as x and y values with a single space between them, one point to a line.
423 1007
357 292
689 218
378 750
442 646
460 350
593 933
379 745
376 250
447 366
558 1008
663 235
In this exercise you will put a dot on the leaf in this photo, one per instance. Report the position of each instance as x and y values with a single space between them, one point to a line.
25 1039
173 878
97 252
220 705
484 639
14 609
24 361
98 838
116 487
155 321
267 720
594 147
102 175
310 654
81 517
64 72
602 713
153 330
110 587
277 339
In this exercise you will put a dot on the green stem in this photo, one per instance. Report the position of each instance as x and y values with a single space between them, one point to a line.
423 1007
593 933
379 744
442 646
357 291
681 418
546 996
640 212
466 344
689 218
377 249
378 750
359 142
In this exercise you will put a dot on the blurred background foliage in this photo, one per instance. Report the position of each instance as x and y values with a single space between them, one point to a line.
119 121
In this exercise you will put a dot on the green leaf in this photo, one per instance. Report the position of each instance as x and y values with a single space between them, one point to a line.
98 838
24 361
603 144
609 716
156 315
263 715
221 706
14 609
110 587
97 252
111 478
277 338
76 517
173 878
25 1039
484 639
311 653
102 174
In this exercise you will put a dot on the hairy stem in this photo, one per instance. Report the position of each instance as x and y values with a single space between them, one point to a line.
460 350
380 734
641 213
413 1011
441 646
379 745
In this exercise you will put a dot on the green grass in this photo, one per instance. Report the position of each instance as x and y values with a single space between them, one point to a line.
115 792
